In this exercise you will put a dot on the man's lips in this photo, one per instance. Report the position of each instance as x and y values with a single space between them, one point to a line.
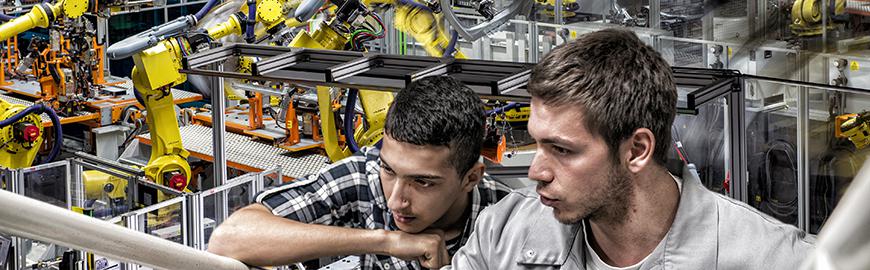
547 200
403 218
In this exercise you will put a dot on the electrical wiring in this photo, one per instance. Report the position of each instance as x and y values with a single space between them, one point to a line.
277 123
363 34
776 207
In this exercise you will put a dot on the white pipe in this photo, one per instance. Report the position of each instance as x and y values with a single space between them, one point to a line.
29 218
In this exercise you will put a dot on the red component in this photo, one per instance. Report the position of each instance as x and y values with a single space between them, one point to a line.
177 181
27 132
727 183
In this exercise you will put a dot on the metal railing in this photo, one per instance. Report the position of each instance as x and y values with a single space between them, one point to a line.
33 219
182 221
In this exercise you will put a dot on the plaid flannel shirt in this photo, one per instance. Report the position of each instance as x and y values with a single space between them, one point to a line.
348 193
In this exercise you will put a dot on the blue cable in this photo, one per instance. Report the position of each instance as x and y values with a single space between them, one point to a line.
454 36
205 9
508 107
349 109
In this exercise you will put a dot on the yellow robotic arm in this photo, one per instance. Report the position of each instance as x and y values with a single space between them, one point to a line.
423 25
42 15
155 72
806 16
855 128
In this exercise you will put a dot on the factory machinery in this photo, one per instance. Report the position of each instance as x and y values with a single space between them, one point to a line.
300 107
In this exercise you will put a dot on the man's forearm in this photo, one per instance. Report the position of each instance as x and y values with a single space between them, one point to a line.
254 236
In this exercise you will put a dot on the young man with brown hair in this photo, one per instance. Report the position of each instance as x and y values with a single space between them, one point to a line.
601 111
408 205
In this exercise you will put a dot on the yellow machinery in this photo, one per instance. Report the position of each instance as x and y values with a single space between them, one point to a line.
22 139
22 134
855 127
156 70
806 16
42 15
416 20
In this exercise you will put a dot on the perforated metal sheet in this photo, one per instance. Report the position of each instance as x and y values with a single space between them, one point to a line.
181 94
240 149
126 83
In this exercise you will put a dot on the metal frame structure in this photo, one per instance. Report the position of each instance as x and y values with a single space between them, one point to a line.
490 79
712 85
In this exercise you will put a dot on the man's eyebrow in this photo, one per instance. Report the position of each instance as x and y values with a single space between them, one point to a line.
555 140
425 177
430 177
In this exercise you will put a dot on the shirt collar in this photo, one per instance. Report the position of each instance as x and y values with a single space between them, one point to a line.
691 241
548 241
695 225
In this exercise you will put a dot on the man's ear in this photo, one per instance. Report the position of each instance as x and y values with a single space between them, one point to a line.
472 177
641 146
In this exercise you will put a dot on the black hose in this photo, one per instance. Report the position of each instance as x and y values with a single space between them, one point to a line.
55 120
349 112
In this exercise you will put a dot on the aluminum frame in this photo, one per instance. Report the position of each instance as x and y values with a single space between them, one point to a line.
369 71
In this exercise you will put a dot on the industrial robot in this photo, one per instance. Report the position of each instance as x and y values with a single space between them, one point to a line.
21 128
807 16
157 55
855 128
22 134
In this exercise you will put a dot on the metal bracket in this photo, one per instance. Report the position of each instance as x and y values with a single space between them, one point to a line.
712 84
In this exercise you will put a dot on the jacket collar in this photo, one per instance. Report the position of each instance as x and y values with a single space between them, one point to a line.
691 241
548 242
687 244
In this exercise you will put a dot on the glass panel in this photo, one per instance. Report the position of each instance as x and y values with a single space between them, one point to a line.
771 147
271 179
700 139
547 39
219 203
47 183
682 18
6 179
833 158
212 213
165 223
39 255
105 196
238 197
686 54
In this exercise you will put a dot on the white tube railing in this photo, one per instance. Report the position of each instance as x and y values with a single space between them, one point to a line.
28 218
844 241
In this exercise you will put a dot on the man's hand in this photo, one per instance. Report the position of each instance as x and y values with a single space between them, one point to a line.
427 247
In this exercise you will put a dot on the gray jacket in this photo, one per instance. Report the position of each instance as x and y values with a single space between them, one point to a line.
710 231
